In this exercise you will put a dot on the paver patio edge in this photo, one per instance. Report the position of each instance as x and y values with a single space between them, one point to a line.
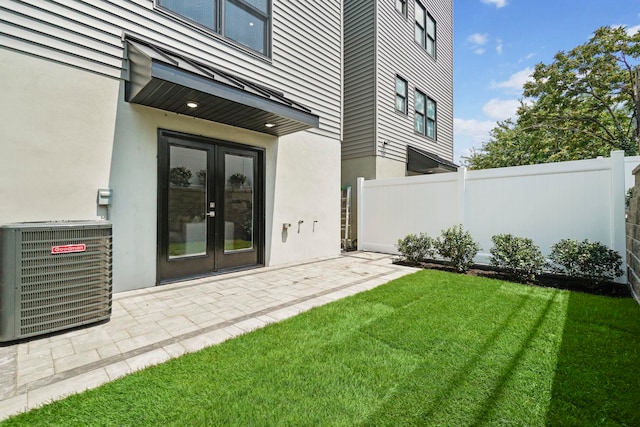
354 265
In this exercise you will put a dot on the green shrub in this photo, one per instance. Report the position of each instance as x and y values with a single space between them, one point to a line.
591 261
457 247
518 256
415 248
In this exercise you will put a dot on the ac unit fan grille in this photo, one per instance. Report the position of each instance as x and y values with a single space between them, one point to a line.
68 289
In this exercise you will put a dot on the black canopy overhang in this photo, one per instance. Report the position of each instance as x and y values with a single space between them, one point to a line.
165 80
424 162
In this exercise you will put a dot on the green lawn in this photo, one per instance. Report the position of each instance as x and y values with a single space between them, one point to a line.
432 348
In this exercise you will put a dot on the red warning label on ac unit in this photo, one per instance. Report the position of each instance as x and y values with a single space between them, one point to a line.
68 249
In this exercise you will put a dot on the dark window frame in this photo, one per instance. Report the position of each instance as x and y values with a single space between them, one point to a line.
220 24
424 115
403 7
428 119
425 40
431 40
420 114
404 96
419 24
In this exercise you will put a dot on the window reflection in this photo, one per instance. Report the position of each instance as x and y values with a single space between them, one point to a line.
238 203
247 22
187 202
245 27
201 11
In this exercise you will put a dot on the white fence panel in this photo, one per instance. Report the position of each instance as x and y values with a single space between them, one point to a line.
399 206
546 204
581 199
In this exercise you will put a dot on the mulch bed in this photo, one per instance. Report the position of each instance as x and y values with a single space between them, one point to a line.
546 280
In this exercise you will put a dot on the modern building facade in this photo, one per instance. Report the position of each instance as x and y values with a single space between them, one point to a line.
398 89
215 124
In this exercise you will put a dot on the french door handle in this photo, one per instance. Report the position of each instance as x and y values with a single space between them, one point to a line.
211 214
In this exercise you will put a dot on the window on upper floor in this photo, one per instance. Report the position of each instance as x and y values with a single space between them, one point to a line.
425 115
401 6
247 22
431 36
401 95
431 118
425 32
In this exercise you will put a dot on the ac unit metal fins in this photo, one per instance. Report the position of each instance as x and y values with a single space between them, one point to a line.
54 276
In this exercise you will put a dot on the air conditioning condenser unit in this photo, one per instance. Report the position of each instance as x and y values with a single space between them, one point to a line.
54 276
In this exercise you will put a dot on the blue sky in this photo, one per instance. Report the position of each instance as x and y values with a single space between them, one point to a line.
497 44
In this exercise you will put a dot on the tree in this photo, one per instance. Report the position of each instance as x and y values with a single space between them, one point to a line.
180 176
583 105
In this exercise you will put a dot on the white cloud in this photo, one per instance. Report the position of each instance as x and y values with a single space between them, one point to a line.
501 109
478 39
515 81
633 30
476 130
469 134
477 42
498 3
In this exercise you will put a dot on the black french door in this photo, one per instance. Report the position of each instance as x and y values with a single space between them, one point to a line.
210 206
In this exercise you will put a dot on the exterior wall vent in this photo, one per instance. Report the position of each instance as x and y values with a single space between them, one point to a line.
54 276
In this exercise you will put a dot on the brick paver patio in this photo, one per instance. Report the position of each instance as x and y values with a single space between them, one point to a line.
152 325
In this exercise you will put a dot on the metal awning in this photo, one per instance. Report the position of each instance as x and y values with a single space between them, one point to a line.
424 162
166 80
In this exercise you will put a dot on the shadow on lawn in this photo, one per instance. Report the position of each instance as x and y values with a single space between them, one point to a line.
597 378
570 358
482 370
484 411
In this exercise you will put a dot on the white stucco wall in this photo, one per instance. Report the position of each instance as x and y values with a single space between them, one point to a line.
56 139
302 182
67 133
307 189
134 173
390 168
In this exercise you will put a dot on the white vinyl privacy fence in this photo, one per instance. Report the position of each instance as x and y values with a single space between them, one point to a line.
582 199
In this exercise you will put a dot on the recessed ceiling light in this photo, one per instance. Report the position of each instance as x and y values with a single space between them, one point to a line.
269 125
192 104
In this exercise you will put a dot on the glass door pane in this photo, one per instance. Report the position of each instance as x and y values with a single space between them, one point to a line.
239 193
210 206
187 202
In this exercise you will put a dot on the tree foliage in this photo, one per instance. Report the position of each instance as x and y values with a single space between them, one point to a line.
583 105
